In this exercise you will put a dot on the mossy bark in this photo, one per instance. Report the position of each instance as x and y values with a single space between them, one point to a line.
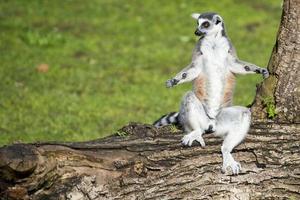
283 86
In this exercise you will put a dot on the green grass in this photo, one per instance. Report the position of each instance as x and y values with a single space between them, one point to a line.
108 61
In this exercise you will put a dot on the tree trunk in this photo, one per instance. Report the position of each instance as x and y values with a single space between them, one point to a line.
142 162
279 95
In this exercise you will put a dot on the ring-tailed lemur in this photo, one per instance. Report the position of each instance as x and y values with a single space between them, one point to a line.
208 107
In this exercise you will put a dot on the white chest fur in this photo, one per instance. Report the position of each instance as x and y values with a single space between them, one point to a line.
215 52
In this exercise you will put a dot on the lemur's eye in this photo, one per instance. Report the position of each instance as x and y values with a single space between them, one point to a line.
184 75
205 24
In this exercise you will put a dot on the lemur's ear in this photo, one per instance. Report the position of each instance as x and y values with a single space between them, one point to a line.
217 19
195 15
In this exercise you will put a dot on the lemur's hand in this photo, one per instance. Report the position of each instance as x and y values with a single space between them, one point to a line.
171 83
265 73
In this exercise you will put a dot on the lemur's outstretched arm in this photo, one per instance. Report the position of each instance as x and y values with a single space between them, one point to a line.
190 72
241 67
187 74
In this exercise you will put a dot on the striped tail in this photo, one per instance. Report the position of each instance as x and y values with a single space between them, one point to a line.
171 118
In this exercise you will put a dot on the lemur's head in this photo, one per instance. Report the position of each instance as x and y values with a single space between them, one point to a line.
208 24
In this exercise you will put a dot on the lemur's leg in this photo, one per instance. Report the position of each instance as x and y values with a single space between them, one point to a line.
187 74
241 67
193 118
232 124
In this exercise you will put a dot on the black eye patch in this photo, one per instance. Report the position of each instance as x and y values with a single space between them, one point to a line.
205 24
184 75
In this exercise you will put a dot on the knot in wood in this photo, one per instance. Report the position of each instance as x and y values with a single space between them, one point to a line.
140 169
17 161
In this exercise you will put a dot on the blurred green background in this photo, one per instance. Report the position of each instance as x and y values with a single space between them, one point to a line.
77 70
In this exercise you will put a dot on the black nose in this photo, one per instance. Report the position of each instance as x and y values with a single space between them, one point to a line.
175 81
198 33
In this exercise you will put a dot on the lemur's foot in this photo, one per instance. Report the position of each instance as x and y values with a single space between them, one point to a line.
188 139
233 165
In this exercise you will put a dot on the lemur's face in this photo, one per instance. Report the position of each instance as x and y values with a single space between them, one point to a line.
208 23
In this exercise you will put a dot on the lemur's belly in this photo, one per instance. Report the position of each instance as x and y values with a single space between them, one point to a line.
201 89
214 87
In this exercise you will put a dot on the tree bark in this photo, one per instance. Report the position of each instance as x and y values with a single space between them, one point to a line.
142 162
150 163
280 93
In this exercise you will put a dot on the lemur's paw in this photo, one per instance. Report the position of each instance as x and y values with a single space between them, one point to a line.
188 139
234 166
171 83
265 73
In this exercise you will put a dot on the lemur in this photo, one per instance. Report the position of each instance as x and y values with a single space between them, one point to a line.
208 107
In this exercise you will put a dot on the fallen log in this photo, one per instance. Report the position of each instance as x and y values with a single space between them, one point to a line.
143 162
